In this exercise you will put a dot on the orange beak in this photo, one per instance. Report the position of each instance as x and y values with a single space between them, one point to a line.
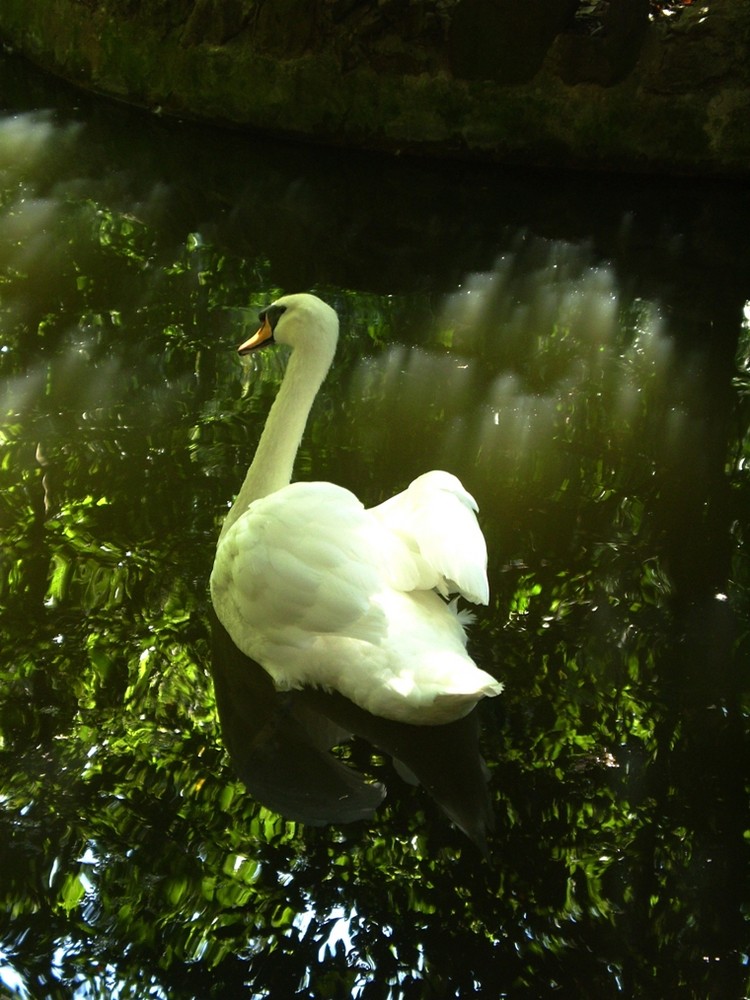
263 336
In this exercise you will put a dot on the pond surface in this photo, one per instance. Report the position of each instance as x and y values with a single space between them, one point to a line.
576 350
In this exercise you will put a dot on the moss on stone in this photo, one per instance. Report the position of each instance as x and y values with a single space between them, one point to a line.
338 71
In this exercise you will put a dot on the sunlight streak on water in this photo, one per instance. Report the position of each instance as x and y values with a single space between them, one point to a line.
26 141
564 347
538 356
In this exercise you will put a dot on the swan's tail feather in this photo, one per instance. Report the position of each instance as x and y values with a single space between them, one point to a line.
460 701
491 689
447 707
465 616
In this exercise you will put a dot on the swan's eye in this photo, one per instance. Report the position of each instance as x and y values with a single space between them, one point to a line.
271 314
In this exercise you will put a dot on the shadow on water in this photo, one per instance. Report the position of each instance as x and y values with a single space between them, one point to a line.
576 350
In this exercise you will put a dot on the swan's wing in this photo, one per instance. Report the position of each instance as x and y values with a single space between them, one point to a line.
436 518
304 560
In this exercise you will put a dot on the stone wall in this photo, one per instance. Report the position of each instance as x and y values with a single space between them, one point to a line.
529 83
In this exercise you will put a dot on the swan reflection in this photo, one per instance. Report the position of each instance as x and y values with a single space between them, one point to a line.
280 742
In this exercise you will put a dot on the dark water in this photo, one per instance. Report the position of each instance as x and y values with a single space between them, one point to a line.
576 349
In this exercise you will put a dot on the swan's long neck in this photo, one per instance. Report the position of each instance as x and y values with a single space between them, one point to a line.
272 466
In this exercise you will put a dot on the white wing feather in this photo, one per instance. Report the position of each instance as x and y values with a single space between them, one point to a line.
300 559
436 517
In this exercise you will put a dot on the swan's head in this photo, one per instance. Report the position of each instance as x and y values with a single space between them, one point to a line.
300 321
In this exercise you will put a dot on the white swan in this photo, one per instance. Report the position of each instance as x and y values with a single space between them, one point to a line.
322 592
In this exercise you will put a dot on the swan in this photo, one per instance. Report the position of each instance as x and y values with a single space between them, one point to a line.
322 592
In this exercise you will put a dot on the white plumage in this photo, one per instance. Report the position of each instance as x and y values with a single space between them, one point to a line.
321 591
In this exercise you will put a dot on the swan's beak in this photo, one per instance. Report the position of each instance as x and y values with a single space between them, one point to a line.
263 336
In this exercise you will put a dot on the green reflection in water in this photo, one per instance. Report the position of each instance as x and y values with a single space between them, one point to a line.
612 475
